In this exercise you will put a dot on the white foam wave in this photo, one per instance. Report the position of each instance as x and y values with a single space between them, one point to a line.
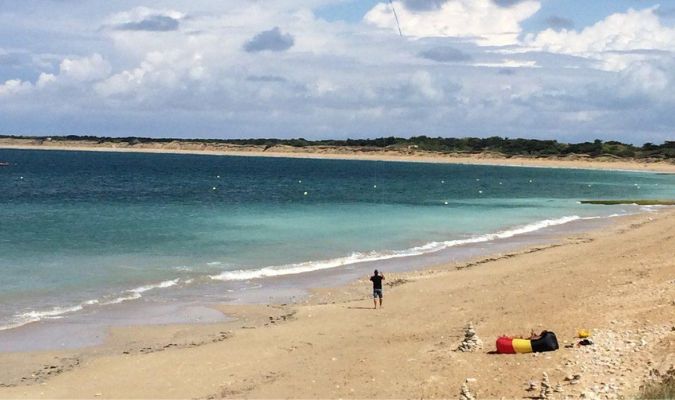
136 293
161 285
358 257
59 312
35 316
118 300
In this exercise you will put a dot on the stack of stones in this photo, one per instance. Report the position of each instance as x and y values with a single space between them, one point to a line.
465 393
546 389
471 342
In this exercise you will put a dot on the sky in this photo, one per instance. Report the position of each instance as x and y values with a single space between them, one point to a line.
571 70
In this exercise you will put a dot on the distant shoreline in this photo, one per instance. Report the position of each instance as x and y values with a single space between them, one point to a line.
344 153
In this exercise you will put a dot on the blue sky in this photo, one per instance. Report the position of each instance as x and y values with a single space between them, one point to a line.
566 69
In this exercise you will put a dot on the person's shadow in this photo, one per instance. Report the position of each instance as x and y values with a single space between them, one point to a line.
359 308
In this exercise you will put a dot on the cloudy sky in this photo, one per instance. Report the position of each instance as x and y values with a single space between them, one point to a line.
567 69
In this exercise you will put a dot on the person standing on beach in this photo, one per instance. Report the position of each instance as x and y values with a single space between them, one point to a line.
377 279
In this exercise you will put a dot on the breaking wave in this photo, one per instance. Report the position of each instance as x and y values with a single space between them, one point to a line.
359 257
59 312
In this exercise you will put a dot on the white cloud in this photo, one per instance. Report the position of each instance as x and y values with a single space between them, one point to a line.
484 20
508 63
15 87
617 41
425 86
140 14
165 71
654 80
45 79
85 69
75 75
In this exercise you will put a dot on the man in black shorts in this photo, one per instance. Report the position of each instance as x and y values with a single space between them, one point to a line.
377 288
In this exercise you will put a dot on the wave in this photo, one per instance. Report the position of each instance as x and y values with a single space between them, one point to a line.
359 257
35 316
136 293
60 312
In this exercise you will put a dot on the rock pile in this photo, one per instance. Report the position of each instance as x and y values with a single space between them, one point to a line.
471 341
546 389
465 393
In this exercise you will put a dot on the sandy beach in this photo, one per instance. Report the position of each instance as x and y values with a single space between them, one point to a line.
344 153
617 282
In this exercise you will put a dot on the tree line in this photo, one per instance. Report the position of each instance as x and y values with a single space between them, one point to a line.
467 145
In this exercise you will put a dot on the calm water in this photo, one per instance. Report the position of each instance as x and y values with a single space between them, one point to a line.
80 230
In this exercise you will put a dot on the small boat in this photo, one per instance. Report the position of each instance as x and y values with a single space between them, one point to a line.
4 164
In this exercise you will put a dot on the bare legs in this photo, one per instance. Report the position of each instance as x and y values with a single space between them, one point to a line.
375 303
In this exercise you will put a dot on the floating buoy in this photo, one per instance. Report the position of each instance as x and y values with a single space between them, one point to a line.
218 176
477 179
305 193
445 202
480 191
442 181
590 185
500 183
374 186
300 181
530 180
21 177
214 188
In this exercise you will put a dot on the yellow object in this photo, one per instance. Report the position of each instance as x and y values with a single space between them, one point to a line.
583 333
522 345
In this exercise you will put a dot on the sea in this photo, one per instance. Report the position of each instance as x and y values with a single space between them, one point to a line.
103 238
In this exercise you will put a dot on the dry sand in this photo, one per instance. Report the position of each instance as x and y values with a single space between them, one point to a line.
618 282
344 153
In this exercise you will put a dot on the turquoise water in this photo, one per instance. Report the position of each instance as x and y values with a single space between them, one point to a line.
84 229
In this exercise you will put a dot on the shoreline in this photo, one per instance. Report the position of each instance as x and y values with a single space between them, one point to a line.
360 155
284 330
95 316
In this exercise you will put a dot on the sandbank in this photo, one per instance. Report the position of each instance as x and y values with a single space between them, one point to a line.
344 153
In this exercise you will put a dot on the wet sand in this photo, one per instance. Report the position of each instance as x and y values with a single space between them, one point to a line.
617 282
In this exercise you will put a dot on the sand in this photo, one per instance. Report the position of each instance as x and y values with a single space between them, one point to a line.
346 153
617 282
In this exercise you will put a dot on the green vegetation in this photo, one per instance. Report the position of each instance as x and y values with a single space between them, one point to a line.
662 388
498 145
638 202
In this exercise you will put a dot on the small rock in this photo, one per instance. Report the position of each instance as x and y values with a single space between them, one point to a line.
531 386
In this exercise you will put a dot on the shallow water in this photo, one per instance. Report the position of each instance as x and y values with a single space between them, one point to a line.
82 231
